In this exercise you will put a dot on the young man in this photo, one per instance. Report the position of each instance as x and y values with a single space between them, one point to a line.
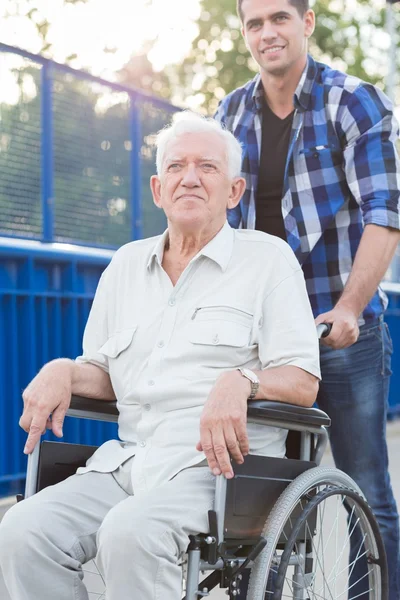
321 172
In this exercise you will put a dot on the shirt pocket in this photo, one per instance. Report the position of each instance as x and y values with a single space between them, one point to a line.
220 336
120 361
220 333
321 167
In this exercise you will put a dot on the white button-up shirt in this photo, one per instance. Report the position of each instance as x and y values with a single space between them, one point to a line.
241 301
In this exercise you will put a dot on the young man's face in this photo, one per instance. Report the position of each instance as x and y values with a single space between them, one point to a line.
276 34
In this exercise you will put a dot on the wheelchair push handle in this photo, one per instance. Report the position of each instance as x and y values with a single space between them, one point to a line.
323 330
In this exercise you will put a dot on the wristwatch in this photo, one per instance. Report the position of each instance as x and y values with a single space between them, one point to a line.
252 377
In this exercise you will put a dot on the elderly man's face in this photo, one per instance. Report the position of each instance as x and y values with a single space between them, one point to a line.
194 188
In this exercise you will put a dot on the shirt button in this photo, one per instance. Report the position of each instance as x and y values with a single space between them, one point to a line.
151 382
172 302
147 407
142 444
215 339
160 344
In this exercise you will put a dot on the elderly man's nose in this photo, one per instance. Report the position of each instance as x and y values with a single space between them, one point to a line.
190 177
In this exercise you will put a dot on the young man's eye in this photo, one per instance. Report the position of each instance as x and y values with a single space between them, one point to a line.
254 25
281 19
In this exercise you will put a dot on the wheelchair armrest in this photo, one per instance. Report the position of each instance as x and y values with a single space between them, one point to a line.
287 413
91 408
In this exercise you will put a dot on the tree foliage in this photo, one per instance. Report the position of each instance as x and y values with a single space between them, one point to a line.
349 34
219 61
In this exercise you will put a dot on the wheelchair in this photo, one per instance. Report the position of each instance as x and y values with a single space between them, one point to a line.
289 522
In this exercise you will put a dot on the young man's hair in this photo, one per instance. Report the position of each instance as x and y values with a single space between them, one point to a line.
301 5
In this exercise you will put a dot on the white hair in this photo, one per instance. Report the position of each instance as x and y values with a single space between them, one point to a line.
190 122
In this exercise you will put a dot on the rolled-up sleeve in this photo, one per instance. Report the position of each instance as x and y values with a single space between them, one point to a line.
370 156
96 330
288 334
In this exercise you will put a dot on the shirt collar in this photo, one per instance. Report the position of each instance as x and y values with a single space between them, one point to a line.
302 94
219 249
158 250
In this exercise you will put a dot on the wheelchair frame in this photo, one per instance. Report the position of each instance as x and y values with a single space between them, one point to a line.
206 552
217 550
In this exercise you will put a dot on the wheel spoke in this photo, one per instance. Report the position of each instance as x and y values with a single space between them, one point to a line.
335 528
323 520
345 545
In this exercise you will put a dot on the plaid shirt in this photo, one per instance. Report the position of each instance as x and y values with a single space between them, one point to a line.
342 173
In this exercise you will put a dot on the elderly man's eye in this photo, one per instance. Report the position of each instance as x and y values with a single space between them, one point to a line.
209 166
174 167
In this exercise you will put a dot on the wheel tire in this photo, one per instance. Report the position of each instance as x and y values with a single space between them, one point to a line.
281 513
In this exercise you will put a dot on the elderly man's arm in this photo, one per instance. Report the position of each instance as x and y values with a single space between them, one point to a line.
223 430
48 396
289 358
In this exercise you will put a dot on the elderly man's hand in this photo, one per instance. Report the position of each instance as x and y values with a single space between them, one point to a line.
345 329
46 400
223 430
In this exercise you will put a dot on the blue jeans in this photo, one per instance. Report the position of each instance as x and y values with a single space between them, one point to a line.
354 392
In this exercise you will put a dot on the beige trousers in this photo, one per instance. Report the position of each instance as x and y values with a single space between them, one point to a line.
45 539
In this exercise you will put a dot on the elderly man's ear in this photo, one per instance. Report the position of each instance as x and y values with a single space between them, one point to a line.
237 190
155 186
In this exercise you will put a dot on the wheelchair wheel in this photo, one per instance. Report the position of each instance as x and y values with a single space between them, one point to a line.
323 543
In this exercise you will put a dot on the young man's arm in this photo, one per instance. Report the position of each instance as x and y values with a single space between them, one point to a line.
372 172
376 250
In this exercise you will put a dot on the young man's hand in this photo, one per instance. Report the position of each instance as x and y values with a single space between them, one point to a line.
345 329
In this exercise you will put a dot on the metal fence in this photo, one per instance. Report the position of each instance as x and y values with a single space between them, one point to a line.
45 297
76 154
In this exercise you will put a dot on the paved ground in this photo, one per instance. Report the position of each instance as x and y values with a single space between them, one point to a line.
394 453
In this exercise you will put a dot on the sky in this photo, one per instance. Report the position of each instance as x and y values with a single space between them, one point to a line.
85 29
121 27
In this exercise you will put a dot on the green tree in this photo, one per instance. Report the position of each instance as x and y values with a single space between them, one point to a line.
219 60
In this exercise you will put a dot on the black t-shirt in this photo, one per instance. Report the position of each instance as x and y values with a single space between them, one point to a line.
274 148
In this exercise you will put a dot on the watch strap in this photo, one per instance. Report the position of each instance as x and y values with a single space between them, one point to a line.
254 382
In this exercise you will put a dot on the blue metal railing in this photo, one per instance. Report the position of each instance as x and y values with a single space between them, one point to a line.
96 155
46 291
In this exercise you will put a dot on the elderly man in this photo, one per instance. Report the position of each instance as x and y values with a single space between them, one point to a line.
184 330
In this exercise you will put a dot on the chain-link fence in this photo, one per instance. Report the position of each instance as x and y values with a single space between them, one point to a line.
75 154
